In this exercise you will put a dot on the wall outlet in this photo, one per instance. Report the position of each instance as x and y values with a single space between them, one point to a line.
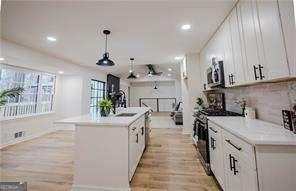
19 134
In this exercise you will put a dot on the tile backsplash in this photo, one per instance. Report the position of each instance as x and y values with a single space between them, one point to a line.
269 99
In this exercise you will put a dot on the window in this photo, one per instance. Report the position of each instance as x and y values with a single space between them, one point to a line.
98 92
38 91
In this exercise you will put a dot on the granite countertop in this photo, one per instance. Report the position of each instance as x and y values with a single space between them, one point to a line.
256 132
111 120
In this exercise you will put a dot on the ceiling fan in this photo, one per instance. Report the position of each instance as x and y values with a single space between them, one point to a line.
152 71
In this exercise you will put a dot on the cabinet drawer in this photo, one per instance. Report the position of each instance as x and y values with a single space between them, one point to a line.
214 128
244 148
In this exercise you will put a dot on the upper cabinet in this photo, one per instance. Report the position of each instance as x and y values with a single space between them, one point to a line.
272 47
289 31
256 43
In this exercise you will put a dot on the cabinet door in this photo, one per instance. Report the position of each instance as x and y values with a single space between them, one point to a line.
237 49
228 53
141 139
239 165
289 30
216 151
274 54
248 19
133 150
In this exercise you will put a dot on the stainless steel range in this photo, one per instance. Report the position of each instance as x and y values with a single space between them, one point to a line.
200 130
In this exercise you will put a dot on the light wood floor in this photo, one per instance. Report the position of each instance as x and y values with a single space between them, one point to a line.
46 163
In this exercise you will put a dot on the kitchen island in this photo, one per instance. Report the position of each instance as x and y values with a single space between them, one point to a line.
108 149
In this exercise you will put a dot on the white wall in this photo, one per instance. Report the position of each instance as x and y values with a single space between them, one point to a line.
165 89
191 88
72 95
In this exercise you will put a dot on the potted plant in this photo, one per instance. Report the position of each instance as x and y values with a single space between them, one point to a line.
105 106
7 94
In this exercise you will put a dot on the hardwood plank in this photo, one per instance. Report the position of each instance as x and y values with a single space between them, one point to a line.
46 163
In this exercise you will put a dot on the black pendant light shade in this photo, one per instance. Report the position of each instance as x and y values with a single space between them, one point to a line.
155 85
105 61
132 76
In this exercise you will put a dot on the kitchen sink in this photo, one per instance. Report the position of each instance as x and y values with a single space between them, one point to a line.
125 114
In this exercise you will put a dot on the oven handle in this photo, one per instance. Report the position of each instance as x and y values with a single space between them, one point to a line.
201 122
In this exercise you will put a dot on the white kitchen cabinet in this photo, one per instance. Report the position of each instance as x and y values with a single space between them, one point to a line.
256 43
239 163
273 57
248 23
239 60
136 144
133 149
203 65
228 63
256 155
289 31
216 152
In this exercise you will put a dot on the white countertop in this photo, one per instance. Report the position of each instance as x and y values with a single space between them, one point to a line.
256 132
111 120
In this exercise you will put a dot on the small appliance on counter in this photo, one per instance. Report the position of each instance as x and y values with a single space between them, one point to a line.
200 137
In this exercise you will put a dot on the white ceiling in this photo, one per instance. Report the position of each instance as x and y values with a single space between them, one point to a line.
147 30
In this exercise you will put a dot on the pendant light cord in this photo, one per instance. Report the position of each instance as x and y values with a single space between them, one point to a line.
106 44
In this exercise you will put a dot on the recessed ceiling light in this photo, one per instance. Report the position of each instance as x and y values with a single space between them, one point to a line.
170 69
1 59
130 71
186 27
169 74
51 38
138 75
178 58
61 72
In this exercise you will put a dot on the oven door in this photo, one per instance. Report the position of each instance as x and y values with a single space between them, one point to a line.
203 141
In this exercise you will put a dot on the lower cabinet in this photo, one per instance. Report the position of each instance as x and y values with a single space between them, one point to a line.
136 144
232 161
215 136
240 166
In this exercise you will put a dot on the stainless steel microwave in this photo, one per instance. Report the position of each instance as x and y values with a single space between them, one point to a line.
215 74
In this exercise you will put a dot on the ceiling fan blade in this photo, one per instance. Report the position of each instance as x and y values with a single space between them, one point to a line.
152 70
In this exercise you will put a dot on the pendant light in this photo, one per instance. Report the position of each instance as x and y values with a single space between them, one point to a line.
155 85
105 61
132 75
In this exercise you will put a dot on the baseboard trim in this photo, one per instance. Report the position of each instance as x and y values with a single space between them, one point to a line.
76 187
26 139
